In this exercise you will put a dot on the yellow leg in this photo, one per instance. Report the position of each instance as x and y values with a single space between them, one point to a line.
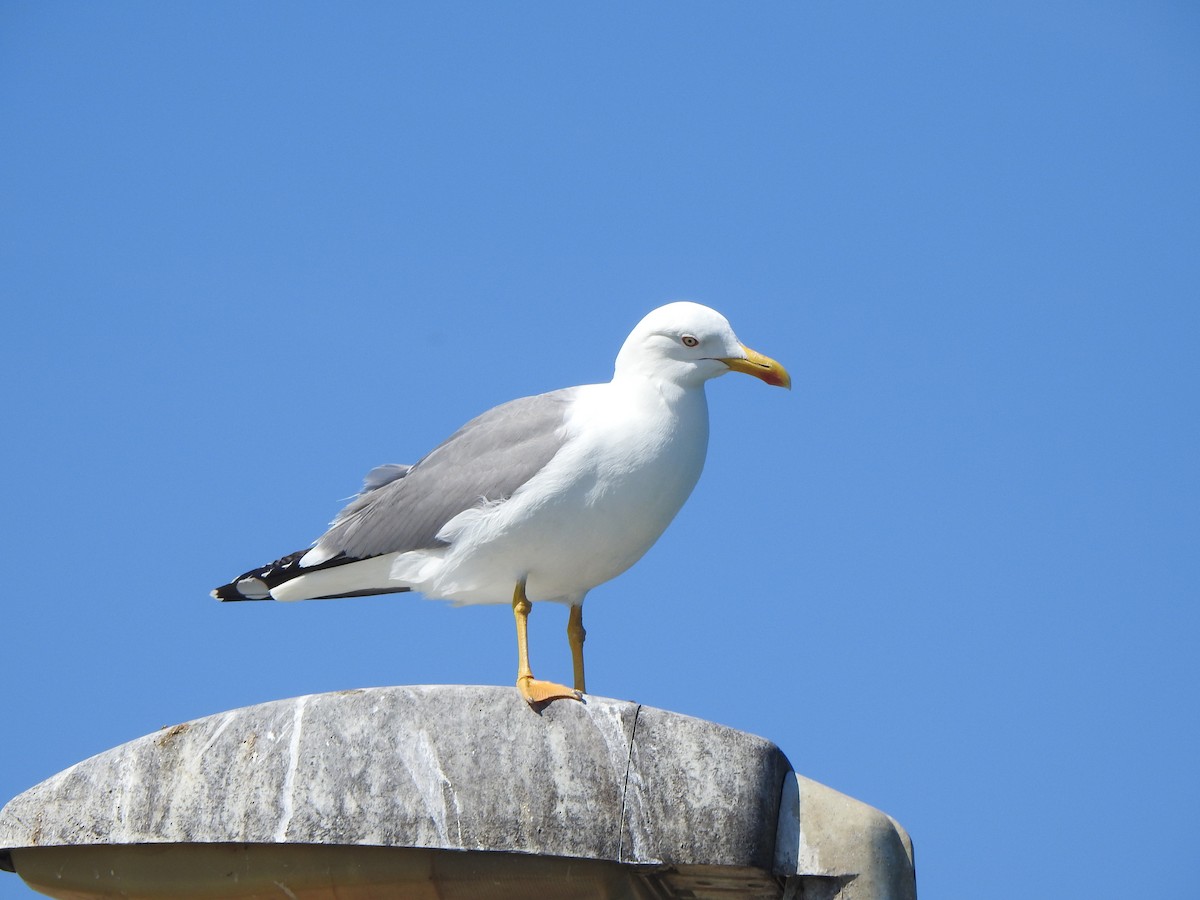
575 637
531 689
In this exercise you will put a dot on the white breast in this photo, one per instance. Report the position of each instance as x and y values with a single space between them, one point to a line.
632 457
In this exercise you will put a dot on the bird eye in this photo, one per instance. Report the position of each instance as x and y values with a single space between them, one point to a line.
689 340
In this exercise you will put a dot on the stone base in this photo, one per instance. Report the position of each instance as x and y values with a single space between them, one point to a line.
435 786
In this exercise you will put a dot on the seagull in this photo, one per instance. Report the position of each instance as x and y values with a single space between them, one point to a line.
538 499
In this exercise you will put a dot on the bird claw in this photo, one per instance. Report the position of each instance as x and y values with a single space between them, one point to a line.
536 692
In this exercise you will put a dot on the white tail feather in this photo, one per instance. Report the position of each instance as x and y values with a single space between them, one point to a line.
366 575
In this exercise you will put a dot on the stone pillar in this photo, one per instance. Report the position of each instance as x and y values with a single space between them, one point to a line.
435 788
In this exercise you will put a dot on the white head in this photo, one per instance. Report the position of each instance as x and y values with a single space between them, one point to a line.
687 344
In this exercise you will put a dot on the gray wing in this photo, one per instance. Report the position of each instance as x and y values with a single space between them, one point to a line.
381 475
404 507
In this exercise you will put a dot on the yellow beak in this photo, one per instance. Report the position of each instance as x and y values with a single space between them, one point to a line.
754 363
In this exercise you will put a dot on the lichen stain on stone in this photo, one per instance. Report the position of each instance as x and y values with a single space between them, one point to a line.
169 734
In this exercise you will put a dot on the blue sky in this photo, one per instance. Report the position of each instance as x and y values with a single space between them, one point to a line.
249 251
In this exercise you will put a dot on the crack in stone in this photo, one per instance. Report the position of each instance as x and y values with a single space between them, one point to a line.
623 825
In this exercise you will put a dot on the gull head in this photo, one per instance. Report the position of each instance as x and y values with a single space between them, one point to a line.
687 344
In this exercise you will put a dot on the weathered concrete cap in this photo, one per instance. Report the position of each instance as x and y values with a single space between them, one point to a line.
464 768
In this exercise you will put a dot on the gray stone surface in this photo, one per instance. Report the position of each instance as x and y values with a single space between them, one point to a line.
824 834
475 769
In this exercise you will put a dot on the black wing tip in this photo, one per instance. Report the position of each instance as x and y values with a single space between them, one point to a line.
258 582
228 592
